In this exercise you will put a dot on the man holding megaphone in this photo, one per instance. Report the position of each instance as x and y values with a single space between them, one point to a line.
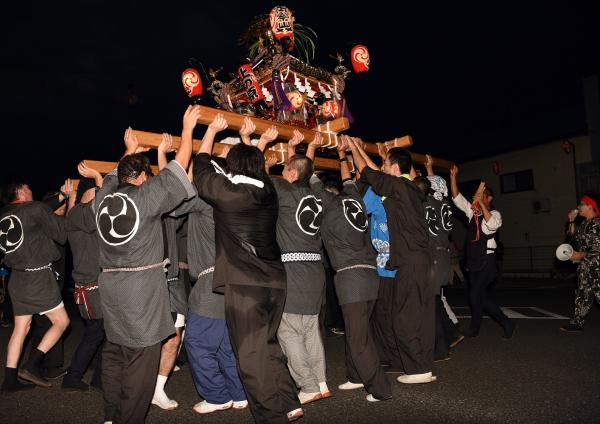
585 238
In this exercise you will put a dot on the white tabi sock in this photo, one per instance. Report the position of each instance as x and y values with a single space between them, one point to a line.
160 397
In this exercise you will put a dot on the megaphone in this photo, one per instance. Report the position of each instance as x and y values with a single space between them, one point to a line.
564 252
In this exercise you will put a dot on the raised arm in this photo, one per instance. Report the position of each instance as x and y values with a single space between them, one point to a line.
453 183
293 142
357 146
68 189
208 141
341 150
314 145
270 160
165 146
247 129
87 172
190 119
267 137
487 215
132 145
429 165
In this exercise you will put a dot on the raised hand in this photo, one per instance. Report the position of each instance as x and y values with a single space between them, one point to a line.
67 187
344 144
429 164
218 124
190 118
270 159
296 139
247 128
267 137
317 141
166 144
454 172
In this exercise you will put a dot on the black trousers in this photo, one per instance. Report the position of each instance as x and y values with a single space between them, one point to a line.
129 377
441 340
90 344
55 356
253 315
414 318
481 275
333 312
381 322
362 361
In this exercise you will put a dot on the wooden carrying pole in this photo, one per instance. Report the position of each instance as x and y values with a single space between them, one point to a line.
328 130
152 140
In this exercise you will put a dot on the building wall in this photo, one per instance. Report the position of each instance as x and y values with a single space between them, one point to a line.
554 186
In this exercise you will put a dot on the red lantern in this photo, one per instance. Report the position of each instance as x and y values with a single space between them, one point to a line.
359 55
192 83
282 25
250 83
330 109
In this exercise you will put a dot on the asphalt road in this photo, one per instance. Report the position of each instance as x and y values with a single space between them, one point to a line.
542 375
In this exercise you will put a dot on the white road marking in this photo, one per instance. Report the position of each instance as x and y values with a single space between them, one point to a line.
512 312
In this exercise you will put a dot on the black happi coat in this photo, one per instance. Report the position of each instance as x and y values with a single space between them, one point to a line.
245 214
136 304
29 232
298 233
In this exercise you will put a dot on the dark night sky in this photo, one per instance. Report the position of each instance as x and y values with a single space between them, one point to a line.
462 79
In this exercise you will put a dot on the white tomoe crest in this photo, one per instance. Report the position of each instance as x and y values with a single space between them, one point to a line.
355 215
11 233
309 215
117 219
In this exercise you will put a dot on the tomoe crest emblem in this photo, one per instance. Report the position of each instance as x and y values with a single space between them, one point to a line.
309 215
11 233
117 219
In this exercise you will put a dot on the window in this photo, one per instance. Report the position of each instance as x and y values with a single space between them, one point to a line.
516 181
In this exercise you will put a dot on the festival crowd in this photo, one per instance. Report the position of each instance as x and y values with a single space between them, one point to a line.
215 257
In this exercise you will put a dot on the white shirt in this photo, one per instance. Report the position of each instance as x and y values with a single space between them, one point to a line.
488 227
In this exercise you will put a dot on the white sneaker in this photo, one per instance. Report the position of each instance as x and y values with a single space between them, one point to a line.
176 368
324 390
295 414
372 398
206 408
350 386
163 402
309 397
417 378
240 404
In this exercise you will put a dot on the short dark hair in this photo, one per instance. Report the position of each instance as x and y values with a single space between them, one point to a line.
131 166
10 188
424 184
402 157
303 165
332 181
247 160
